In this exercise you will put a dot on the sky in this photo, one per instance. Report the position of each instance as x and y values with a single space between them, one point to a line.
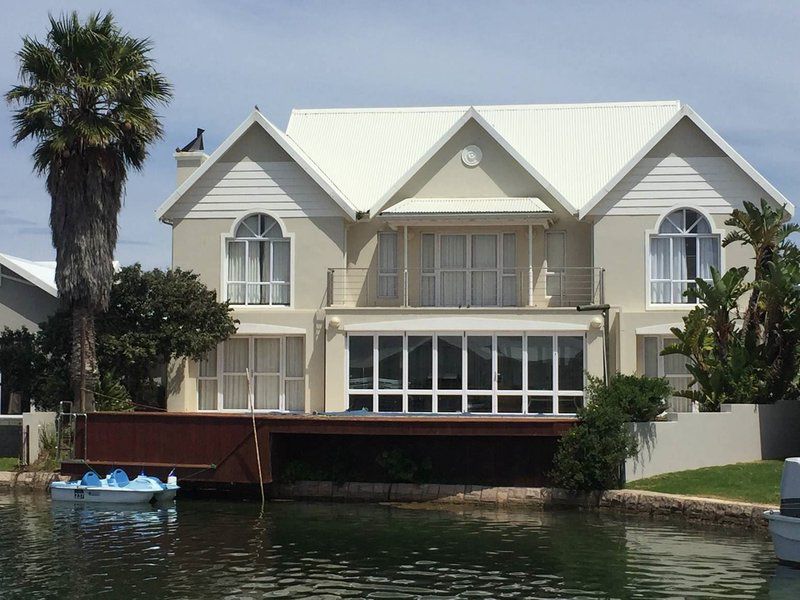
736 63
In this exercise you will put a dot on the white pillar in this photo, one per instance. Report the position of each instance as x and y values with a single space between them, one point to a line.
530 265
405 265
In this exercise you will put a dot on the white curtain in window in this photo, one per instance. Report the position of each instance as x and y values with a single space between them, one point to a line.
509 269
257 271
237 271
555 249
267 368
295 361
709 256
387 264
484 283
651 357
428 263
679 270
659 269
235 362
280 272
453 255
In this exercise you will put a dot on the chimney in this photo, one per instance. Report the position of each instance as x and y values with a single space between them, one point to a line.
190 157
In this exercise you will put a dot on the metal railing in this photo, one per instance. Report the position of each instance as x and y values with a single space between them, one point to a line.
475 287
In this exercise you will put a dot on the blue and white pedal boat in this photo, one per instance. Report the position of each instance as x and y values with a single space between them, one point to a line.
117 488
784 524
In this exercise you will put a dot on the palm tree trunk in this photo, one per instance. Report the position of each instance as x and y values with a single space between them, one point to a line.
83 364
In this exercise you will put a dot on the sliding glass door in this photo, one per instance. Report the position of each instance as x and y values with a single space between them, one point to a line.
463 372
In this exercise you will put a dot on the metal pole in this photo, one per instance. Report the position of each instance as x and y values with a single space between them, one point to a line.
405 265
530 265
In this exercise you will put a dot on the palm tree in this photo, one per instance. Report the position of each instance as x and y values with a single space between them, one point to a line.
766 231
87 96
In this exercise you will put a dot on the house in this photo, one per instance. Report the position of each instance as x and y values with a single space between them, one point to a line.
27 297
433 260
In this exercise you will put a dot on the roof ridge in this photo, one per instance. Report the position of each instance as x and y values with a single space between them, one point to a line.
463 107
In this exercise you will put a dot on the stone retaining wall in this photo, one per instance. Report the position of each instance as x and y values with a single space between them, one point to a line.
723 512
32 480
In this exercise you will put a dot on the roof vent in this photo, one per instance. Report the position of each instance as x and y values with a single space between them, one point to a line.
471 155
196 145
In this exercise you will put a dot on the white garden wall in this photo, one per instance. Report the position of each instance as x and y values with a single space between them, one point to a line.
739 433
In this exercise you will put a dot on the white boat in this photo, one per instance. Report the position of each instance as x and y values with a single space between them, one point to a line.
117 488
784 524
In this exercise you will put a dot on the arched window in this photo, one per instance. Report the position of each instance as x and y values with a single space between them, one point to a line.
259 263
683 250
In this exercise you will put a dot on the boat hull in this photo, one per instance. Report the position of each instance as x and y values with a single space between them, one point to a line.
785 533
106 495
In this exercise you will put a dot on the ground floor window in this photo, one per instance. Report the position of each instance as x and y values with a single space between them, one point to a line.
671 367
489 373
277 367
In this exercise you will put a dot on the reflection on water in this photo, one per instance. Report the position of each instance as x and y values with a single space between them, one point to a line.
299 550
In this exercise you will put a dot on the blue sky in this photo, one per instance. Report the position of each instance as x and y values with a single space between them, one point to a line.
736 63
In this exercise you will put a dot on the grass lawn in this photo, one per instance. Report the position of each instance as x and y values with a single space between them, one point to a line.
8 464
748 482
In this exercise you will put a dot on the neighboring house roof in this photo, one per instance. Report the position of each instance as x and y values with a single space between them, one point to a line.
289 146
460 206
42 274
577 151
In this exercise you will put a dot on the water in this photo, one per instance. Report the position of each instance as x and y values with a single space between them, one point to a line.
301 550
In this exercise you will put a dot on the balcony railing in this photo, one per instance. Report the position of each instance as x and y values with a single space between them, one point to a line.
533 287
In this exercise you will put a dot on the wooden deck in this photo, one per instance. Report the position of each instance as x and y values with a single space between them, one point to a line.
219 448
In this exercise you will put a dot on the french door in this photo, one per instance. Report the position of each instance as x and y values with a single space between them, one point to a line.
476 269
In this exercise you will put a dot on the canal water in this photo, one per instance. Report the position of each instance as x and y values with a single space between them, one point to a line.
214 549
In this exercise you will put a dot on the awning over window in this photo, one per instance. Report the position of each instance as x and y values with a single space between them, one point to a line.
463 323
660 329
412 207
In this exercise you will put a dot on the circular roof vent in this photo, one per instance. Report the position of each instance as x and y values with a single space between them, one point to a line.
471 155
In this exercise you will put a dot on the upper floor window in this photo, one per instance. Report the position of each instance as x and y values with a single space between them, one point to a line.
683 250
259 263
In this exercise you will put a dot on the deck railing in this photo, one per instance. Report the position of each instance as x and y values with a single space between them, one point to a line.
533 287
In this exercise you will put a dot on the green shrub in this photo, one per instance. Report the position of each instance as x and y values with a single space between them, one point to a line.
592 454
111 395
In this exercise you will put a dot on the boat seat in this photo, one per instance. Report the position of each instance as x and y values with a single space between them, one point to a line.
90 479
120 478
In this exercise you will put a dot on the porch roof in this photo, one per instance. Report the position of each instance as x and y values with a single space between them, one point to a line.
449 207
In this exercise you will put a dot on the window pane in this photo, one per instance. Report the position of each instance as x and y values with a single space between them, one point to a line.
484 251
208 364
296 395
479 362
449 404
236 355
419 404
660 292
569 404
207 394
540 362
651 356
453 251
360 362
390 403
390 362
267 355
449 350
387 264
555 249
509 252
479 404
266 392
236 293
509 362
295 357
236 261
280 261
234 392
428 252
257 261
709 256
484 288
509 404
540 405
249 227
454 288
359 402
570 363
420 362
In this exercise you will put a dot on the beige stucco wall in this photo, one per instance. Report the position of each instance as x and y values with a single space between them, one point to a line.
22 304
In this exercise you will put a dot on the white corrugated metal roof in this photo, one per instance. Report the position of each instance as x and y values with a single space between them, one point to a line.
40 273
577 148
429 206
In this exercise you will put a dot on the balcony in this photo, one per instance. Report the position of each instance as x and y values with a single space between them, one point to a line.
466 288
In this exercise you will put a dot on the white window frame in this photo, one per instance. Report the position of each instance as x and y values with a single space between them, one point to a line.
230 236
281 374
654 233
501 270
662 341
495 393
